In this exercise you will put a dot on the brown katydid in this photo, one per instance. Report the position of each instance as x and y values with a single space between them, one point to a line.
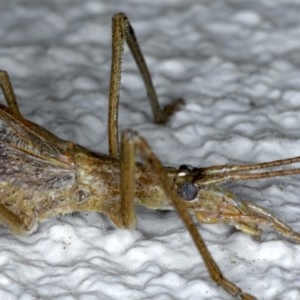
42 176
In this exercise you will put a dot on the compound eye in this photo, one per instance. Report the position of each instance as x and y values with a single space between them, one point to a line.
81 195
187 191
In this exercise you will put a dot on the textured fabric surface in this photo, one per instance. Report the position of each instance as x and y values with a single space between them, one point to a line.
236 63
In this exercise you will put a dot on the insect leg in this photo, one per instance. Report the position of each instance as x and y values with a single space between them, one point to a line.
127 165
267 218
123 31
243 223
19 225
8 92
132 144
249 220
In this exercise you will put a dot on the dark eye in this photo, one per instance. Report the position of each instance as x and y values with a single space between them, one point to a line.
187 191
81 195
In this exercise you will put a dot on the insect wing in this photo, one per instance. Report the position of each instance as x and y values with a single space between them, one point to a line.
30 156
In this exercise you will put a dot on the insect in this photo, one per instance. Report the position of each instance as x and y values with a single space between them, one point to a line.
42 176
